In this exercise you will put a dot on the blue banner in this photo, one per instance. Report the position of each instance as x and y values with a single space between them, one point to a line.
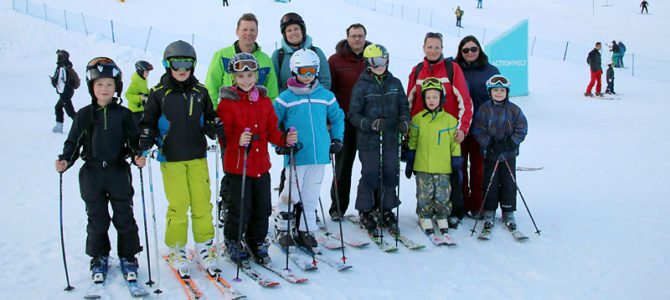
509 52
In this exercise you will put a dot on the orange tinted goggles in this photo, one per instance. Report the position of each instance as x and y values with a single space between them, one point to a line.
307 71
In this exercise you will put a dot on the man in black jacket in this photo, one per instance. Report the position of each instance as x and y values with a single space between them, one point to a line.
594 62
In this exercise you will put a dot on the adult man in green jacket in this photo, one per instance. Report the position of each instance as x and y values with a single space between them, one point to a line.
218 76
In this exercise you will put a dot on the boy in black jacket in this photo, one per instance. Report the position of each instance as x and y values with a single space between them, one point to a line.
380 111
65 81
108 134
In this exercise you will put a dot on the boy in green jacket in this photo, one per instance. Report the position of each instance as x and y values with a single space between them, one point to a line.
433 156
138 91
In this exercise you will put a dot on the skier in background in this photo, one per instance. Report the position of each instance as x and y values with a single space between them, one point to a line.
615 54
644 5
479 4
459 15
65 80
622 51
610 79
138 91
594 61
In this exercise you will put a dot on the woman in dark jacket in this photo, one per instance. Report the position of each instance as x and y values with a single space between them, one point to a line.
476 69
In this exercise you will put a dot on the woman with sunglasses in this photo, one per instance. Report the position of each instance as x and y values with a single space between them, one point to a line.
308 107
476 69
295 37
250 124
176 117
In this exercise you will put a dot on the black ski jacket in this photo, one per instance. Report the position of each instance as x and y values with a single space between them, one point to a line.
108 135
594 60
176 113
372 99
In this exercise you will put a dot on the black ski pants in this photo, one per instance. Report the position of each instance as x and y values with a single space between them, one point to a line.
256 210
102 184
502 189
370 179
344 161
65 102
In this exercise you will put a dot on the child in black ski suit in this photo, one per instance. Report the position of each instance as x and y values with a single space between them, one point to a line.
108 134
65 83
380 112
610 79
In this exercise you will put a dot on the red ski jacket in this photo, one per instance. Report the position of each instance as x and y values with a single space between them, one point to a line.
457 102
237 112
345 68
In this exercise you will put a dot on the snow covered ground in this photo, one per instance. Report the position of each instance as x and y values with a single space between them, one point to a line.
600 201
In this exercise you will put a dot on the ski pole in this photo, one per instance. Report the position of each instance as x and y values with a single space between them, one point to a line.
304 211
146 233
217 230
481 209
62 240
290 200
241 216
337 202
153 221
520 194
397 208
380 191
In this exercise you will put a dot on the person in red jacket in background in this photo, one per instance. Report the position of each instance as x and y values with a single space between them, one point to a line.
457 103
249 122
346 65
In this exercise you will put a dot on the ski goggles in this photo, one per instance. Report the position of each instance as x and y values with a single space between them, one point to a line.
102 66
178 64
307 71
472 49
245 65
378 61
431 83
100 61
499 80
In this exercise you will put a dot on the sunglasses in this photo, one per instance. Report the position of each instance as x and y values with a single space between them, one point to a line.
378 61
434 35
307 71
245 65
357 36
178 64
467 50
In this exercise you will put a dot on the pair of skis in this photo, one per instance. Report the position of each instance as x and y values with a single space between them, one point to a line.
97 288
516 234
306 264
193 292
383 244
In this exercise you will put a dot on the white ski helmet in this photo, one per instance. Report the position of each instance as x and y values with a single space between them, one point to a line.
304 58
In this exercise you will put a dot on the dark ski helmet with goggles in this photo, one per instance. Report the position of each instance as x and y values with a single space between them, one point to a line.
179 55
103 67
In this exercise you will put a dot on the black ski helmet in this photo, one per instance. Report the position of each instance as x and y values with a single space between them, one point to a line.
143 65
63 56
179 49
103 67
292 18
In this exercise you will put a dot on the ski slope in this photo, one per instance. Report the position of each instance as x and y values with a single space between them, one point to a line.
600 201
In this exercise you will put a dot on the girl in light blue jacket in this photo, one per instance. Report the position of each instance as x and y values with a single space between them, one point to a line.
308 107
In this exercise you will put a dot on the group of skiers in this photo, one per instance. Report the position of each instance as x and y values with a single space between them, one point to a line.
313 110
594 61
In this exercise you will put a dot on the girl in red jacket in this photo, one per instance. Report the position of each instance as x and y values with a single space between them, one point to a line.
250 122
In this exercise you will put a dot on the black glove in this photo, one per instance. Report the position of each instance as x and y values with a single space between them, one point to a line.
147 139
214 129
336 146
378 125
409 166
403 127
286 150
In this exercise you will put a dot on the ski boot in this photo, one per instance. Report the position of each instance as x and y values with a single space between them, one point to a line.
205 253
178 261
588 94
129 268
508 219
600 94
306 240
236 251
259 250
368 221
58 128
99 267
443 225
427 225
390 222
475 215
453 222
282 236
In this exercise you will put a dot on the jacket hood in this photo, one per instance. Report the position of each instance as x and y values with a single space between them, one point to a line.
305 45
342 48
173 84
233 94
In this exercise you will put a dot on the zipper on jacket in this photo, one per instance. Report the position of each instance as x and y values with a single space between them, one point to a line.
238 159
104 116
311 121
